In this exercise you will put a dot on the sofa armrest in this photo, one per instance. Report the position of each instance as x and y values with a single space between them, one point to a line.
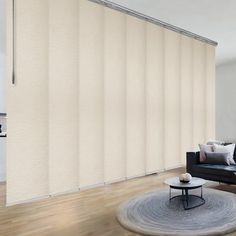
192 158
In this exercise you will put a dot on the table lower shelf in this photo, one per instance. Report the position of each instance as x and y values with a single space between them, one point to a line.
190 201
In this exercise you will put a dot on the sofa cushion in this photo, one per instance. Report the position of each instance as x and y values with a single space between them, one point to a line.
215 169
226 148
218 158
234 151
203 149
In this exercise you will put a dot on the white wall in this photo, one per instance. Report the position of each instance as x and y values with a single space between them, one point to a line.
2 87
2 159
226 101
2 57
2 81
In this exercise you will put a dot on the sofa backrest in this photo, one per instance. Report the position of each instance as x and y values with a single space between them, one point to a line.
198 157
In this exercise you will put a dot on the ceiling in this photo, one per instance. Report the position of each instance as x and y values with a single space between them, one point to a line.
214 19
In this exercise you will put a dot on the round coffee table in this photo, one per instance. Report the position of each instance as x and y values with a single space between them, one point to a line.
189 201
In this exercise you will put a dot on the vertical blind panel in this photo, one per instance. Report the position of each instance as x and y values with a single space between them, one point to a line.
186 96
63 40
135 97
115 95
27 142
154 98
100 96
172 99
199 93
210 92
91 92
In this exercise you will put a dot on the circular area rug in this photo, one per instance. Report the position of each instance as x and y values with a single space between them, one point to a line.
153 214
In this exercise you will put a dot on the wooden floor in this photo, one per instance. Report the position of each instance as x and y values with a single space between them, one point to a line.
89 212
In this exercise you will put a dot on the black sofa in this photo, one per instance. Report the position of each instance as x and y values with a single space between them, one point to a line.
220 173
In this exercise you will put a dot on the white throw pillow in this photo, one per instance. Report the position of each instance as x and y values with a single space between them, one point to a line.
204 148
223 149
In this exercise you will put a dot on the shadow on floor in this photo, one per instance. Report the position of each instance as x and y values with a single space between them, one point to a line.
221 186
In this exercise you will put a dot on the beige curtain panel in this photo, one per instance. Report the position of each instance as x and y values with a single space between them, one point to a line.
100 97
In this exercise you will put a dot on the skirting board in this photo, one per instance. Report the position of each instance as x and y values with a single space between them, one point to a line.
65 192
92 186
154 172
115 181
174 167
136 176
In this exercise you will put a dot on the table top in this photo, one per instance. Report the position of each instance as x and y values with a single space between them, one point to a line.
194 183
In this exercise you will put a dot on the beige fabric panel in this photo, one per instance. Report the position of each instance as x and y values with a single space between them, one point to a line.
136 51
172 99
154 98
199 93
63 97
115 95
27 141
99 97
91 94
186 89
210 92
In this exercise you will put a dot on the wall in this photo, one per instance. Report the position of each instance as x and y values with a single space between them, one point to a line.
101 97
2 56
2 86
226 102
2 81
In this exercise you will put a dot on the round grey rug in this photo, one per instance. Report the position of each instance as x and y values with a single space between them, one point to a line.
153 214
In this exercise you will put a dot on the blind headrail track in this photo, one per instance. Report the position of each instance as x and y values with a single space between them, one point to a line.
163 24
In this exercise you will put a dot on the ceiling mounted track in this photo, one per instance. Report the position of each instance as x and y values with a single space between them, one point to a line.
139 15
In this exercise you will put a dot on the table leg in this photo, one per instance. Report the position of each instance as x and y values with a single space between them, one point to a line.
186 195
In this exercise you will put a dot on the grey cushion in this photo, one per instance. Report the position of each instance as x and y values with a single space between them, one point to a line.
217 158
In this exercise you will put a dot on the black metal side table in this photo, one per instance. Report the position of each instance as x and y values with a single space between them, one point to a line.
189 201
